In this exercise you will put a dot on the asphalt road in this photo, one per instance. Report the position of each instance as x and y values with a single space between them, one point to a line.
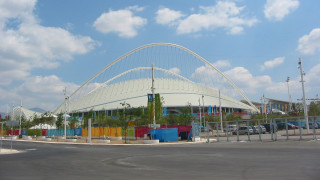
233 160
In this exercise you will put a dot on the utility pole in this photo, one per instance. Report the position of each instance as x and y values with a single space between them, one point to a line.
12 119
220 109
200 113
66 111
265 106
204 115
20 117
304 95
153 99
290 100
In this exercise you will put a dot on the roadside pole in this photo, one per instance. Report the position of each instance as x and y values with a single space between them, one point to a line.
1 135
89 130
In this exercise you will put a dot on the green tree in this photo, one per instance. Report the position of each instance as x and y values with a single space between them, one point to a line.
86 117
59 122
233 117
126 110
185 117
73 122
314 109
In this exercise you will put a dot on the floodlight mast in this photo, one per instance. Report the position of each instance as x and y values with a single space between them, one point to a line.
304 95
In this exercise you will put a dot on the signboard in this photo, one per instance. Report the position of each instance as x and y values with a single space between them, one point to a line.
12 123
152 126
150 97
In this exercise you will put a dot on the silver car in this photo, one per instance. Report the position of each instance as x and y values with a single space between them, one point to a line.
262 129
244 130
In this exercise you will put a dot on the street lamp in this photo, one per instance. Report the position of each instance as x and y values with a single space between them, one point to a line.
304 95
290 100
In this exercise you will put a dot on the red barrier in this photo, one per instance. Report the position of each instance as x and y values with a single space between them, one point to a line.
141 131
15 132
44 132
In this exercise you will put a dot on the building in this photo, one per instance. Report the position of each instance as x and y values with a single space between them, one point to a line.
176 94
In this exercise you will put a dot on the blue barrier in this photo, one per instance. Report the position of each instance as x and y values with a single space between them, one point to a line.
165 135
24 131
60 132
78 132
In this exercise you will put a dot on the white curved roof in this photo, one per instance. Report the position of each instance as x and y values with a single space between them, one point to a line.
176 93
25 113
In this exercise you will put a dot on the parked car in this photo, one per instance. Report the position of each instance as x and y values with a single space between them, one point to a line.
311 125
204 129
291 126
262 129
255 129
267 126
244 130
232 128
281 125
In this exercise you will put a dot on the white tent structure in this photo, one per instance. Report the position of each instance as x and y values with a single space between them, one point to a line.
25 113
43 126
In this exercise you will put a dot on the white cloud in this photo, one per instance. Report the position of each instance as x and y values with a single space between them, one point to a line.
166 16
121 22
224 14
28 45
175 70
135 8
246 81
38 91
239 75
221 64
276 10
272 63
309 44
312 78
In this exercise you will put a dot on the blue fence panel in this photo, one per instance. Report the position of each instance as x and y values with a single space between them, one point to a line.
60 132
78 132
165 135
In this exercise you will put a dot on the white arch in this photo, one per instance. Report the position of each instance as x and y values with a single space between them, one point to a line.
172 45
142 68
138 69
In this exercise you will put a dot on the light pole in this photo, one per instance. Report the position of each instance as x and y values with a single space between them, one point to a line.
204 115
20 117
66 111
290 100
200 114
153 99
220 109
304 95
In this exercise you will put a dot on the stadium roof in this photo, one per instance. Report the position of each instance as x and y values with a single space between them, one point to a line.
176 93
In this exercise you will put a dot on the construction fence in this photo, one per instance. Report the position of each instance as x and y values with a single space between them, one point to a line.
290 128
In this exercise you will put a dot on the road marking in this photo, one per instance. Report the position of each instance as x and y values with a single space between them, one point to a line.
31 149
70 147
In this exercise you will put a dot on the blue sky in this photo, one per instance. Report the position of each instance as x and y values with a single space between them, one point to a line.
46 45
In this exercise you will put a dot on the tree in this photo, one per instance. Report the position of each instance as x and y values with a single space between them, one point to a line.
73 122
185 117
314 109
86 117
124 121
59 122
